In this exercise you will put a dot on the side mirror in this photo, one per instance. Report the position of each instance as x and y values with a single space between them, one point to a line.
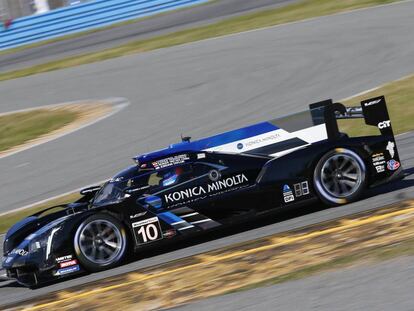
90 190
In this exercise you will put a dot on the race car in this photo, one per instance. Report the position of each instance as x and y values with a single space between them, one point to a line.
195 186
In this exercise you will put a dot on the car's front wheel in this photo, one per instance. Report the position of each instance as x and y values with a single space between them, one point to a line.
100 242
340 177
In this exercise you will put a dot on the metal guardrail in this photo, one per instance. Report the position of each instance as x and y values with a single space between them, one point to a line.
82 17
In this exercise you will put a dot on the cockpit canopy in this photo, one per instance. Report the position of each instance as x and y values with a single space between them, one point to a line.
135 180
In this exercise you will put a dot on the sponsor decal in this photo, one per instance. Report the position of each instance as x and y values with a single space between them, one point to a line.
8 259
129 191
20 252
214 175
170 181
148 230
178 159
68 263
64 258
301 188
144 222
391 149
380 168
67 270
259 141
118 179
169 233
374 102
201 156
199 191
288 194
378 159
384 124
393 165
137 215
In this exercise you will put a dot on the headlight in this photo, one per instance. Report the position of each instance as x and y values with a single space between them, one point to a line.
42 241
38 243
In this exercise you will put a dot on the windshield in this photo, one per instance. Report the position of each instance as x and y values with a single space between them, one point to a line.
124 184
110 193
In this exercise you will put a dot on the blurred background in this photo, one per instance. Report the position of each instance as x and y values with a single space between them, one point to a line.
12 9
151 62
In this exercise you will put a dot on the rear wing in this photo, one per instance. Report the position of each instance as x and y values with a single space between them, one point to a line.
374 111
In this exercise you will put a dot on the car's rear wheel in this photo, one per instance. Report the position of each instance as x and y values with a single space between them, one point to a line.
340 177
100 242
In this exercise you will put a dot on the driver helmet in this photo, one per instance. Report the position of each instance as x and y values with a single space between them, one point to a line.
171 177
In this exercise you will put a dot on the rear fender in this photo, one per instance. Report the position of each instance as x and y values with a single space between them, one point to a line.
301 163
293 166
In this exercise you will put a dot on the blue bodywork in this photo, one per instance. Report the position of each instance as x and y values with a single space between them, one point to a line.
209 142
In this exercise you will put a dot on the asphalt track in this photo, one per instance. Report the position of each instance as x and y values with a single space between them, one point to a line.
205 88
380 287
11 292
157 25
200 89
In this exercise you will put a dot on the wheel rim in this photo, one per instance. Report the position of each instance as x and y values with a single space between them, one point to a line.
101 242
341 175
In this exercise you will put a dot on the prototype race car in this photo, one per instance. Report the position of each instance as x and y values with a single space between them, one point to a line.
195 186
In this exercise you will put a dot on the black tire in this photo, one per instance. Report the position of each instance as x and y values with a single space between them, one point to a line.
100 242
340 177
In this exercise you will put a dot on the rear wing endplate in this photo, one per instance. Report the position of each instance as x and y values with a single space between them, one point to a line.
373 110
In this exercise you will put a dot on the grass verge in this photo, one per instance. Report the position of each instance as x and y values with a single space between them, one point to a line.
400 101
18 128
294 12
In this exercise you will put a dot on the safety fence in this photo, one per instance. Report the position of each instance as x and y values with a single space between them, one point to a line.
82 17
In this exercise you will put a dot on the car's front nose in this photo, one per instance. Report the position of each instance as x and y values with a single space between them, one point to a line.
22 265
30 258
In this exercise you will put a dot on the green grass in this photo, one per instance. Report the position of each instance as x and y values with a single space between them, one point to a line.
7 220
400 101
294 12
18 128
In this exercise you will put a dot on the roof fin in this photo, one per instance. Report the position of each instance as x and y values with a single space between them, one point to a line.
185 139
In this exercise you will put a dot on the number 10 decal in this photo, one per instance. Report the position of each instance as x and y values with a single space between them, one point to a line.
148 230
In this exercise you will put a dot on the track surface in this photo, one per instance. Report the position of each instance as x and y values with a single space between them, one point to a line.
383 286
158 25
387 194
245 78
201 89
